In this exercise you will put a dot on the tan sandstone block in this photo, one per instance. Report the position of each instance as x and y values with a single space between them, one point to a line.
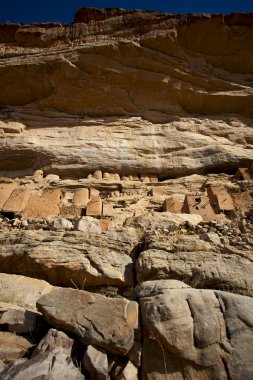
6 190
94 207
243 200
81 197
243 173
17 201
12 346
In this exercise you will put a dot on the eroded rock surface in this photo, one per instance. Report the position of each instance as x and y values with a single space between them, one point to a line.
197 262
101 76
71 259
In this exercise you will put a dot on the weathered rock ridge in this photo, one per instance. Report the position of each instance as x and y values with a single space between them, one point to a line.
130 92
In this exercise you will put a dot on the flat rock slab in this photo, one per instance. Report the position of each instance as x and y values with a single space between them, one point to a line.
71 258
198 263
193 333
105 322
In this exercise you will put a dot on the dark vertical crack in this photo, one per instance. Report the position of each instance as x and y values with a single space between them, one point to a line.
228 337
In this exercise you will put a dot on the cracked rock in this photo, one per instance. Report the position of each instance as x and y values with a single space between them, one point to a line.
105 322
196 333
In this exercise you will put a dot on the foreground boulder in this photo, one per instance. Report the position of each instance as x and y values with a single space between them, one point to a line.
198 263
51 360
105 322
195 334
71 258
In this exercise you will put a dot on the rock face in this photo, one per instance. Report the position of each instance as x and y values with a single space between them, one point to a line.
63 86
197 262
69 259
195 333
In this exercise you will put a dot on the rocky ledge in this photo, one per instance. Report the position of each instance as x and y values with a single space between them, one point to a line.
126 197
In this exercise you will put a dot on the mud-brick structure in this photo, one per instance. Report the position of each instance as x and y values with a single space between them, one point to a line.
200 205
220 199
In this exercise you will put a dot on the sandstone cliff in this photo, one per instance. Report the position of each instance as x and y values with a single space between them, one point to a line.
127 91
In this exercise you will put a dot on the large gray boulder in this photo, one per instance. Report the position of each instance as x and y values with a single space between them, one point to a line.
195 334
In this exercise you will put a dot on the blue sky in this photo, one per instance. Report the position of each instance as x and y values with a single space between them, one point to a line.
63 10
